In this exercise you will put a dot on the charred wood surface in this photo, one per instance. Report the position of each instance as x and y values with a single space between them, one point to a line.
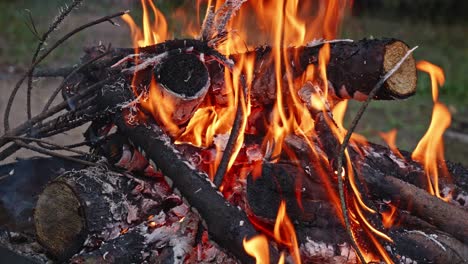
354 67
91 203
226 224
20 184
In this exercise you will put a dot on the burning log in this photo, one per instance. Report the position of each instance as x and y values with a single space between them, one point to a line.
226 224
20 184
353 70
354 67
183 82
93 205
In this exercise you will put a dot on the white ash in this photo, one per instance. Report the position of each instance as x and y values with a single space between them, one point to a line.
132 212
220 141
254 153
180 210
318 42
406 260
461 197
432 237
317 249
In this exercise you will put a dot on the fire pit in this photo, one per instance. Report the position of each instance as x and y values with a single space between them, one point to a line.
208 149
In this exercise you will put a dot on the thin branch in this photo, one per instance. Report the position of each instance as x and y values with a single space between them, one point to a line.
26 126
42 57
32 25
53 154
207 27
234 135
344 145
57 146
55 24
48 72
64 82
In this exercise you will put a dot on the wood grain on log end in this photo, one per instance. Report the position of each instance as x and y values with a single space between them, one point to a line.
59 220
403 82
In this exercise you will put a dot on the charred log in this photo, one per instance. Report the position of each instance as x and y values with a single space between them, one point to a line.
20 184
226 224
354 67
92 205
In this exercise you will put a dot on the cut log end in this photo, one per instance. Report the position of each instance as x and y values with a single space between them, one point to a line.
184 75
59 220
403 82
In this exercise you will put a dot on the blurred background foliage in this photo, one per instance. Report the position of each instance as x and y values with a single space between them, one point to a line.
438 27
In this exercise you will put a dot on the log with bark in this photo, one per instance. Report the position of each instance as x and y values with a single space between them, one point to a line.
353 70
354 67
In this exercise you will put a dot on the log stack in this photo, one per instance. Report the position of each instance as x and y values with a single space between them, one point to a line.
161 205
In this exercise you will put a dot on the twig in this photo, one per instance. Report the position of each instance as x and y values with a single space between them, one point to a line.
47 72
42 57
32 25
234 135
54 154
64 82
55 24
207 26
26 126
58 146
344 145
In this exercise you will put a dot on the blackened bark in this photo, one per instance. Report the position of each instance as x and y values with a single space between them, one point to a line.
226 224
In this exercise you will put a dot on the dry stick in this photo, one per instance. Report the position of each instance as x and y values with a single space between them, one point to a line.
24 127
62 85
58 146
49 72
234 135
41 58
345 142
53 154
58 20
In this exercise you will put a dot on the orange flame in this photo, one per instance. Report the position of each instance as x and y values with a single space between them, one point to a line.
430 149
257 247
285 234
285 23
152 33
388 218
390 138
437 76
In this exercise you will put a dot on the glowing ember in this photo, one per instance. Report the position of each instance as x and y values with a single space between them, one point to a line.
388 217
282 23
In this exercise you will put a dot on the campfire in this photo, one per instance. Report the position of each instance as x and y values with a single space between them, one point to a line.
230 147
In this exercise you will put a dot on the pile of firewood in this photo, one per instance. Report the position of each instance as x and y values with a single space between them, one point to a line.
137 196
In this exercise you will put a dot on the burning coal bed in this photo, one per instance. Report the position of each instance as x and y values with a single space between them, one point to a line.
205 150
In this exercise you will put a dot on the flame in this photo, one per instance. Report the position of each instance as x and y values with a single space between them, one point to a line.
437 76
388 218
152 33
283 233
257 247
390 138
430 149
282 23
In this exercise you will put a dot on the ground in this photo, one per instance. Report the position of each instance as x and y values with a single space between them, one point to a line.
442 44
